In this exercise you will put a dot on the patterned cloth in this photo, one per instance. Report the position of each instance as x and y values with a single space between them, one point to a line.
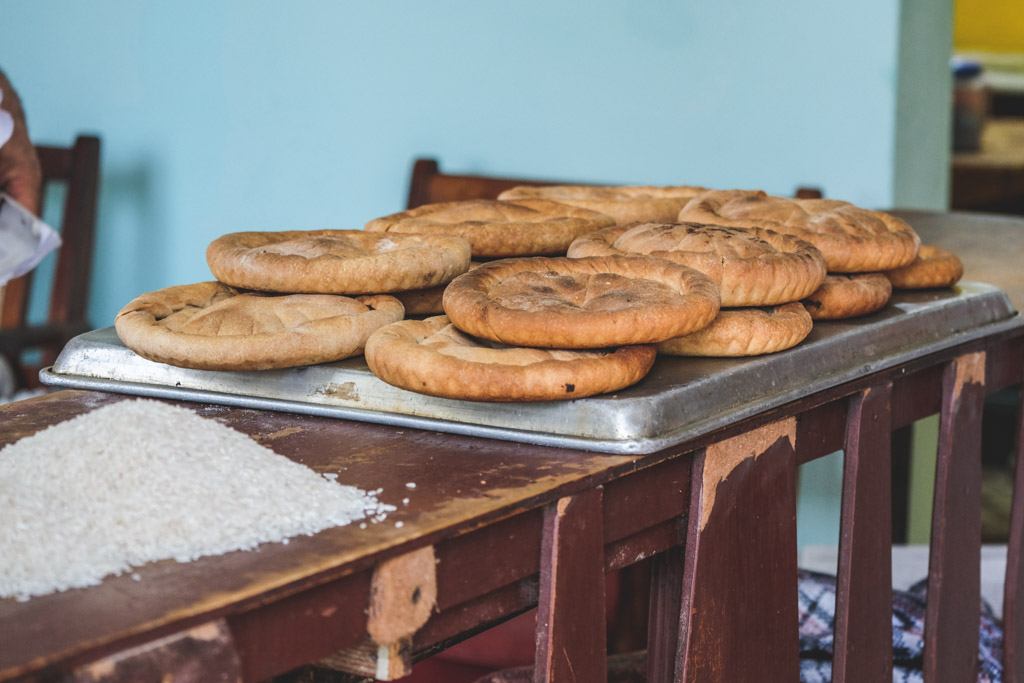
817 594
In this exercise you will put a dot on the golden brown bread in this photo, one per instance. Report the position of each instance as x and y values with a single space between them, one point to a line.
211 326
532 227
433 357
852 239
933 267
336 261
624 203
751 266
849 296
745 332
581 303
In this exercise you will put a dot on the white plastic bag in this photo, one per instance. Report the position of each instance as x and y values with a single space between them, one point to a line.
24 240
6 122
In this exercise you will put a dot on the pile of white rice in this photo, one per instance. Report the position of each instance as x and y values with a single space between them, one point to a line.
139 481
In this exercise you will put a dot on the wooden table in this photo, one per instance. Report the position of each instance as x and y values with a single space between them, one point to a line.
991 179
493 528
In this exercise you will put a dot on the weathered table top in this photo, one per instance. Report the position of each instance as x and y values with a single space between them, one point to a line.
461 483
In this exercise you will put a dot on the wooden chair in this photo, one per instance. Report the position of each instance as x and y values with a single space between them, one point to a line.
429 185
78 167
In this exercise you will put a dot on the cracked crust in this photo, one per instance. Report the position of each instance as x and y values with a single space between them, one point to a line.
433 357
933 267
625 203
583 303
852 239
210 326
497 229
745 332
336 261
751 266
849 296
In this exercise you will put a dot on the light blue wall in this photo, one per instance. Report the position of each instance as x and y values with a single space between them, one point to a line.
220 116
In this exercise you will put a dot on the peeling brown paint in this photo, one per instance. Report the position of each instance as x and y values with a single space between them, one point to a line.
403 593
970 369
723 457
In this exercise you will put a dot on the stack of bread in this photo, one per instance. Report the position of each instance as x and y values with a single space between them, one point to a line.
762 276
494 229
860 247
532 329
571 292
287 299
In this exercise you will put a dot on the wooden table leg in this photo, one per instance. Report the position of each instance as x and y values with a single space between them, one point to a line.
901 450
954 570
1013 591
863 624
739 596
571 615
403 593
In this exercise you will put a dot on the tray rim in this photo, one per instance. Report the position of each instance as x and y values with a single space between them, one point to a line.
642 445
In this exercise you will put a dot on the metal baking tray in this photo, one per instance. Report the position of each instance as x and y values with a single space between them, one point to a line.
680 398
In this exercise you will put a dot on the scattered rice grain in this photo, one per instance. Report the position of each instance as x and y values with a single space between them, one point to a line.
140 481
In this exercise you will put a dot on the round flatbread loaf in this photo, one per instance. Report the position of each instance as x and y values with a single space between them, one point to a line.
745 332
625 203
852 239
336 261
433 357
584 303
849 296
933 267
210 326
751 266
532 227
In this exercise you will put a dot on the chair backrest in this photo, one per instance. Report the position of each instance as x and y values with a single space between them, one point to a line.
429 185
78 167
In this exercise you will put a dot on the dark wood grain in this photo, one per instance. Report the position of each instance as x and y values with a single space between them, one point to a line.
428 185
739 601
462 484
571 646
862 646
664 616
1013 589
954 570
902 448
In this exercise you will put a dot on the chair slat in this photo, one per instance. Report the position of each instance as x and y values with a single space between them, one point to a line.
71 279
1013 589
954 570
863 626
663 616
739 600
571 640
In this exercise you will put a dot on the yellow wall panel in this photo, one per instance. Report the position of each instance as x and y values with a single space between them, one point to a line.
989 25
